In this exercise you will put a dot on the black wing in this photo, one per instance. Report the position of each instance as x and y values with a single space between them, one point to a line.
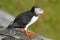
22 20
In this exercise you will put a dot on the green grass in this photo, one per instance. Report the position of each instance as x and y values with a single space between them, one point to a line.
49 26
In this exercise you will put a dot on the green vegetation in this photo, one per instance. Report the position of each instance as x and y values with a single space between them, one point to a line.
49 26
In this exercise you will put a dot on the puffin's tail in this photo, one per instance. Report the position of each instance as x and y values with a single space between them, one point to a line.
15 25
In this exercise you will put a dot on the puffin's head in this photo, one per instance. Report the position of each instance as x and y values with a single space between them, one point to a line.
37 10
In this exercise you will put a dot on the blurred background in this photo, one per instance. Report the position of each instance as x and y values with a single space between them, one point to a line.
48 26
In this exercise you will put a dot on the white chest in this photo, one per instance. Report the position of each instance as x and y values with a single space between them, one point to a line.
33 20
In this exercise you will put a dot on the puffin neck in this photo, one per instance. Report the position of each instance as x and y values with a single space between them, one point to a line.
34 14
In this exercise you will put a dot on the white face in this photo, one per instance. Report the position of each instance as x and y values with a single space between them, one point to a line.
38 11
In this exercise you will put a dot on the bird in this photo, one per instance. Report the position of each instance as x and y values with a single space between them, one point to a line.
27 18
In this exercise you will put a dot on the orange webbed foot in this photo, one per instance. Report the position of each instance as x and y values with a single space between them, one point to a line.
22 30
29 33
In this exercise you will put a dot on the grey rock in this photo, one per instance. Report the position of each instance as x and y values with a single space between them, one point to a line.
14 34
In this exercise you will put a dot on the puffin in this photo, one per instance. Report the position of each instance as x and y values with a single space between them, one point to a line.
27 18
